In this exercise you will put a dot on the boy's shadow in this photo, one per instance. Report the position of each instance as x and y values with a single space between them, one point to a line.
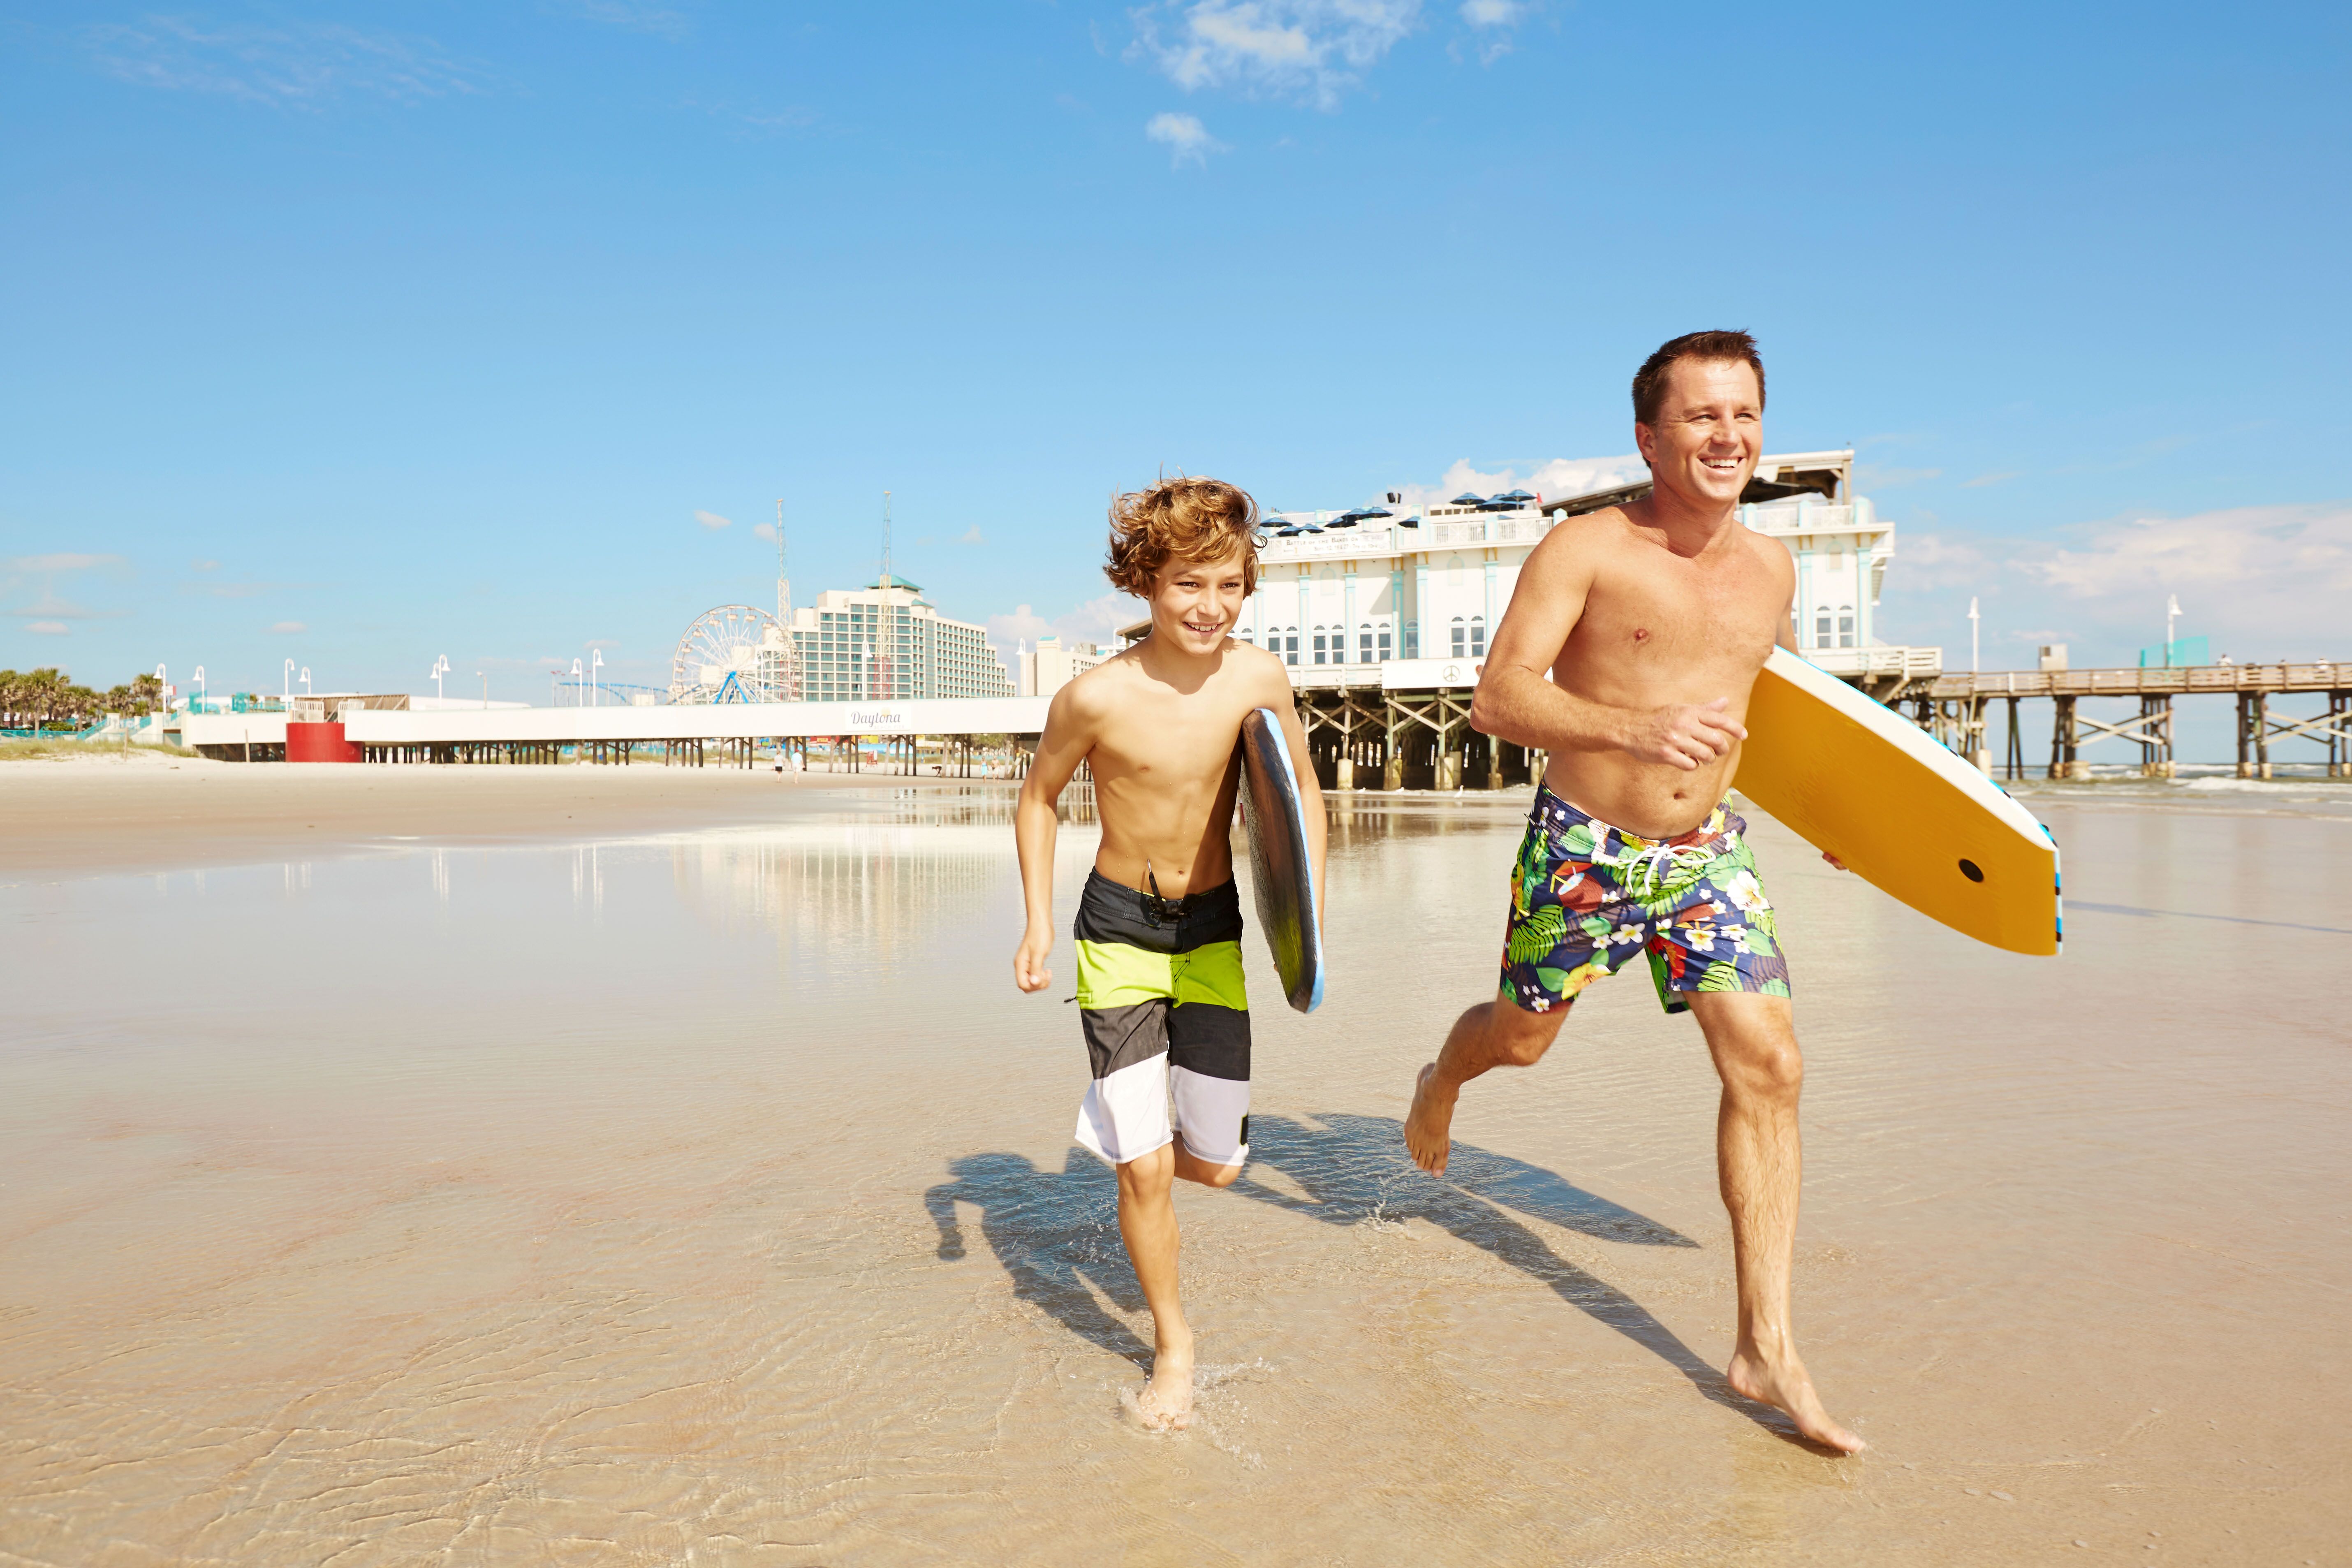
1053 1231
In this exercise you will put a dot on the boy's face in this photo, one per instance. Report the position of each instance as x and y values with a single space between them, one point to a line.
1195 602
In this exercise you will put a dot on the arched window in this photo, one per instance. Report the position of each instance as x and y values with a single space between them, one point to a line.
1364 654
1821 635
1845 626
1461 638
1386 644
1477 637
1320 651
1289 641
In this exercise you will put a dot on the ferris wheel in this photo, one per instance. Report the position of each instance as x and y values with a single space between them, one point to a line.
735 653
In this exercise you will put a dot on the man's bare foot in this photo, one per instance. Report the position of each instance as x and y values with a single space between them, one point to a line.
1429 1125
1166 1403
1789 1390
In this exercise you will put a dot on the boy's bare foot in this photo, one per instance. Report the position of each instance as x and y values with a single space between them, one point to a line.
1429 1125
1166 1403
1787 1388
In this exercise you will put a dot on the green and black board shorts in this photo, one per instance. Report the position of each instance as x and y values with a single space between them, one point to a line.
1167 1022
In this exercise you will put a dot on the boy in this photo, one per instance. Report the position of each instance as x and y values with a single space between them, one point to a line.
1159 927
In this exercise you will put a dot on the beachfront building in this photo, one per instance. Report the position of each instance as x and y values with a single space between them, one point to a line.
1382 583
1383 613
1048 666
886 643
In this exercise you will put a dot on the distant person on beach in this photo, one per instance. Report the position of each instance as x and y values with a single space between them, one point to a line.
1652 620
1159 926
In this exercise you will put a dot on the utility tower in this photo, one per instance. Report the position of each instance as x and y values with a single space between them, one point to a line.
887 620
792 669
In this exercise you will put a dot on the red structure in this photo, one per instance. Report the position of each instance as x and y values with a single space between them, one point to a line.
319 744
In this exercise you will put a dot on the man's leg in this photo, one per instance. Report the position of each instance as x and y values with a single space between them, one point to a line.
1491 1035
1761 1165
1147 1223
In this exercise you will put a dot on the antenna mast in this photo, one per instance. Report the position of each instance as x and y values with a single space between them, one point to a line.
784 613
885 539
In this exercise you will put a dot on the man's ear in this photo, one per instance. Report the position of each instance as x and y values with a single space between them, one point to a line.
1646 441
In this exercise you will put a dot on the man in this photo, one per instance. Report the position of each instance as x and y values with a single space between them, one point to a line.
1653 619
1159 927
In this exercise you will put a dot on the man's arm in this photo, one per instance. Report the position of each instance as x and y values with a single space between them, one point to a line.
1069 736
1515 702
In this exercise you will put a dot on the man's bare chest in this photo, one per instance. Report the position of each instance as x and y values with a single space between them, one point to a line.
1670 612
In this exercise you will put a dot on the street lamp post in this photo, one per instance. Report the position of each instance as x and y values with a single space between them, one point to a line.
306 680
2171 614
486 688
596 662
162 702
440 668
286 686
1973 665
575 683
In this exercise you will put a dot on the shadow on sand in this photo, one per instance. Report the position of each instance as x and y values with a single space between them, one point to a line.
1053 1232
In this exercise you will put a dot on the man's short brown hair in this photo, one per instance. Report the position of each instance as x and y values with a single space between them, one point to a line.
1649 380
1185 520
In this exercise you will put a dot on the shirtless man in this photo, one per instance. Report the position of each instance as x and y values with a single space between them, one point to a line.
1653 619
1159 926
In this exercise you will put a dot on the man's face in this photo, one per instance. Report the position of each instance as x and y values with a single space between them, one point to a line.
1710 430
1195 602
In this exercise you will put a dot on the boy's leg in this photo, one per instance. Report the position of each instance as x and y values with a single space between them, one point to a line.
1147 1223
1759 1162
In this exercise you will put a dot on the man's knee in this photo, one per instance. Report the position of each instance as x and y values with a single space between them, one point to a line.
1767 1065
1519 1039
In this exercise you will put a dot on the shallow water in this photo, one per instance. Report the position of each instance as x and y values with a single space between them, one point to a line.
710 1199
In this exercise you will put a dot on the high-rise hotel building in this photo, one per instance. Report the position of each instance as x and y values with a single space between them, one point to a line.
887 644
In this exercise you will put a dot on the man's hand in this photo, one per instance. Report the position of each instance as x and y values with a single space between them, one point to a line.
1687 737
1835 861
1029 971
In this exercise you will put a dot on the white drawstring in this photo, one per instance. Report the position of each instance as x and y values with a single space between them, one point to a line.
1656 867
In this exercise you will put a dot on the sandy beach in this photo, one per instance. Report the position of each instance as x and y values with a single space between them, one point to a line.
591 1165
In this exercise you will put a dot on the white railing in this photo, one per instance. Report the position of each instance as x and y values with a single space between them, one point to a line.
1908 662
1350 541
1789 517
1502 527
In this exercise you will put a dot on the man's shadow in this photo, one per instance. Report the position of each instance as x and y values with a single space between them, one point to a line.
1051 1231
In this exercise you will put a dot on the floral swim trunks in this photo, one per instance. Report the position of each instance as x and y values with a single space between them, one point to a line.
1587 897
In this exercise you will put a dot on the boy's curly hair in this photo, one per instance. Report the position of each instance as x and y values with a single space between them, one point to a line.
1182 519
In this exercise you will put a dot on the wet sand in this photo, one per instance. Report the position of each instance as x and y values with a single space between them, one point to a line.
704 1194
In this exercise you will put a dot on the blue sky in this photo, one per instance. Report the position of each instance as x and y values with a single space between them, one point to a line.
366 335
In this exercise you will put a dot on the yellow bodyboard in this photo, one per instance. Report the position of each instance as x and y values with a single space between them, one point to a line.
1899 809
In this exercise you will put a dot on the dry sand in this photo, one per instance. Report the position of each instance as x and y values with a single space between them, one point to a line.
704 1195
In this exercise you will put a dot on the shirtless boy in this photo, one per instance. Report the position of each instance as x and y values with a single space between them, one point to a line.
1653 619
1159 926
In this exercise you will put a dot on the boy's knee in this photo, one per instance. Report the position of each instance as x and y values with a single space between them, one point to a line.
1147 1175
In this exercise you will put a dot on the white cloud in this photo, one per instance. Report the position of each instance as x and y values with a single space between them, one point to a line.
2289 552
1983 479
655 19
201 564
1187 139
300 66
52 608
602 642
1492 13
51 629
1933 560
971 536
1870 477
288 628
2264 583
1305 48
63 561
1552 480
1096 621
763 530
712 520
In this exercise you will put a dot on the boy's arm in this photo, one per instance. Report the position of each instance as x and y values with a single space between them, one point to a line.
1310 792
1069 736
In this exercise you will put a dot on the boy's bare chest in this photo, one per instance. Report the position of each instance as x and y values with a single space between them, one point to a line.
1169 740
